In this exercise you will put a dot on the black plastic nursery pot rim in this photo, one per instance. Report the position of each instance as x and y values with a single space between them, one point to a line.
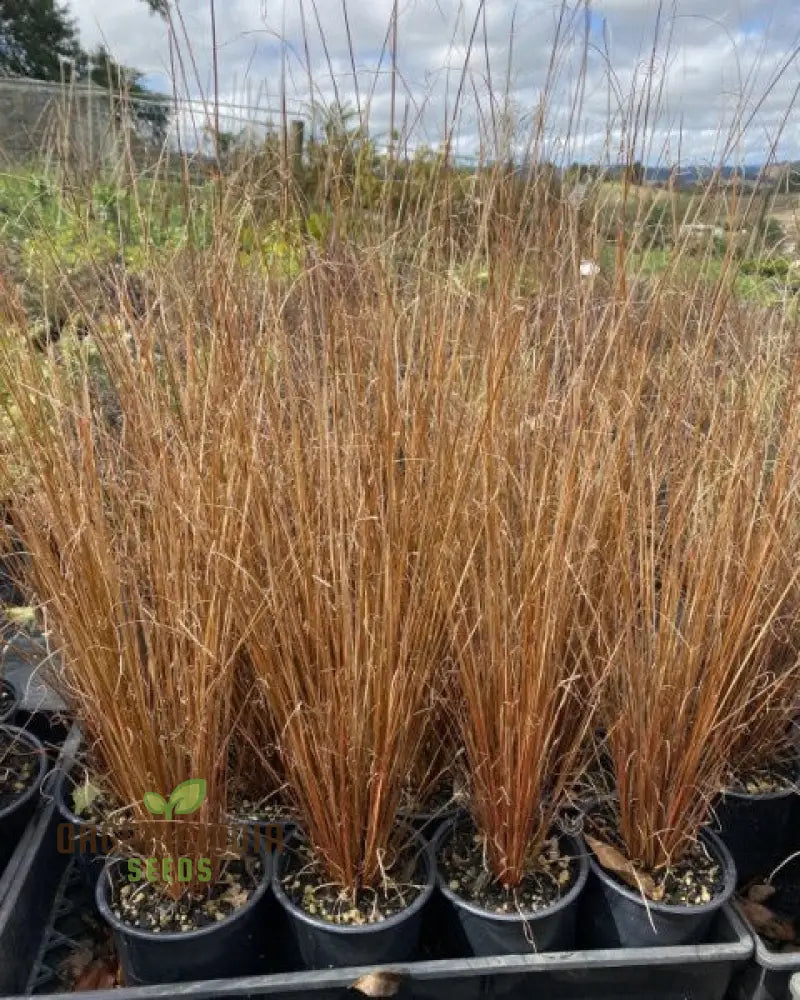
195 934
514 918
722 854
35 787
10 710
62 791
352 930
734 793
81 836
81 826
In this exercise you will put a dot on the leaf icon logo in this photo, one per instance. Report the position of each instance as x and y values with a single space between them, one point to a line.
186 798
155 804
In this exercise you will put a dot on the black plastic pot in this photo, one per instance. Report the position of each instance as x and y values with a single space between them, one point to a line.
479 932
10 708
83 840
39 924
237 945
702 972
15 816
758 830
612 915
321 945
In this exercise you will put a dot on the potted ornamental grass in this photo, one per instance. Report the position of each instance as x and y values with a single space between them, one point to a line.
134 510
510 867
363 468
701 510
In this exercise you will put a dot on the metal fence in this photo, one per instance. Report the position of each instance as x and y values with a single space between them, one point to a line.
87 122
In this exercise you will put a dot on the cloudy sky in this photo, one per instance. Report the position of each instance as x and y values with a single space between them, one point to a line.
719 65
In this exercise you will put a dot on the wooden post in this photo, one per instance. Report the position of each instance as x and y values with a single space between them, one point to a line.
298 128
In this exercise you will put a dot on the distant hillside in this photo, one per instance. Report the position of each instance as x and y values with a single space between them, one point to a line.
692 174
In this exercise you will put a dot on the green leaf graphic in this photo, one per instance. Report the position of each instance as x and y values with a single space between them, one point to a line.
188 797
155 804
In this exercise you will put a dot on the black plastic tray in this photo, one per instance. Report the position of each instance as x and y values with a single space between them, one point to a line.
769 974
40 712
24 660
53 733
776 972
40 920
28 884
701 972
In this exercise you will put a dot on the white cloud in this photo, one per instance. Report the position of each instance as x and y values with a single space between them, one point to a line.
713 55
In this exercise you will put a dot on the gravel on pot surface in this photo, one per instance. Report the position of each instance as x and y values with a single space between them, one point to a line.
309 887
463 867
693 880
19 767
247 808
776 776
146 905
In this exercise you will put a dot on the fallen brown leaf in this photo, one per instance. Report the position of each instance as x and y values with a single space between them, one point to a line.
100 975
616 862
108 981
767 923
760 892
378 984
74 965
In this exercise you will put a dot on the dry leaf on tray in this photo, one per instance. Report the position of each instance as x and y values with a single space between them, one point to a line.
615 861
74 965
100 975
378 984
767 923
760 892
